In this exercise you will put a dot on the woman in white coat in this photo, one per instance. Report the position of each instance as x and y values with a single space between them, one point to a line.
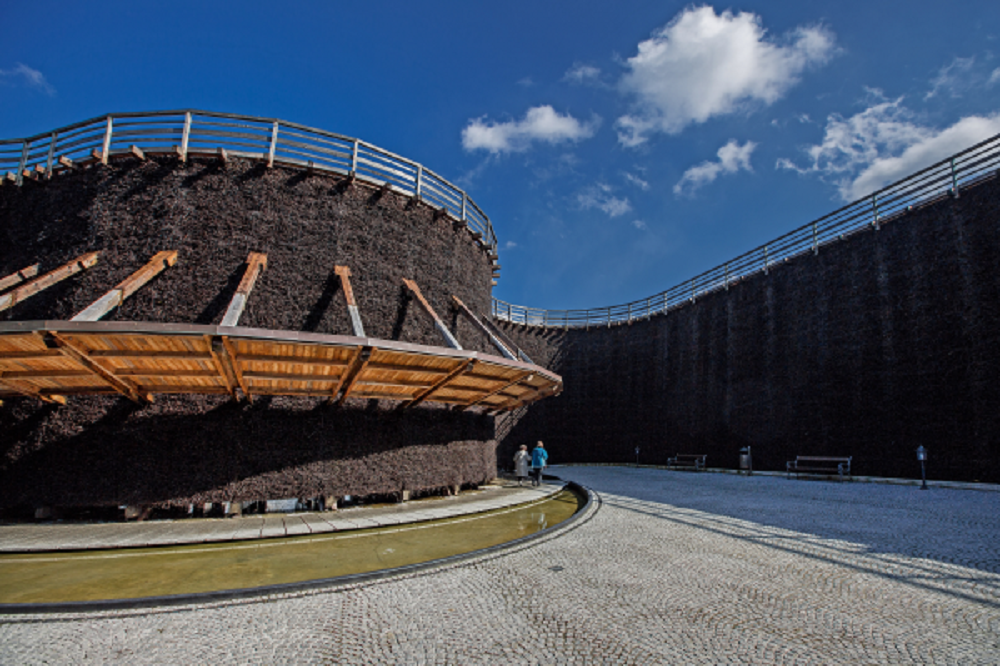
521 460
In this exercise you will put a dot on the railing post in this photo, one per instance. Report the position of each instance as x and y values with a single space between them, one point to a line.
420 178
508 313
875 211
50 164
815 240
692 290
727 276
609 316
630 313
465 197
106 148
765 260
954 179
22 164
274 145
185 137
354 159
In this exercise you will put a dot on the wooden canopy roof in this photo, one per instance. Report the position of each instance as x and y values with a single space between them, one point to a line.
49 360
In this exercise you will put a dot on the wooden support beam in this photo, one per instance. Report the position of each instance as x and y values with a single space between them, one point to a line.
29 174
524 376
256 263
223 156
234 366
294 360
80 354
221 361
510 344
347 380
29 355
438 324
352 307
143 353
462 308
137 152
73 267
67 162
17 278
441 212
39 170
28 390
407 368
160 372
459 370
98 155
127 287
289 376
10 177
44 374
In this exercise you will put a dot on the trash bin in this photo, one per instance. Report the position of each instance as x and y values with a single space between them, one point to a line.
746 462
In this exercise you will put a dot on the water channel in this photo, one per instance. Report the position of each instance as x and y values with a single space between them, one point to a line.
192 569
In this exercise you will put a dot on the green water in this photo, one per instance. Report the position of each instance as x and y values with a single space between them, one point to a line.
147 572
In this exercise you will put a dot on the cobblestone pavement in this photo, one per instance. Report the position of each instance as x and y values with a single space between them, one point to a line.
674 568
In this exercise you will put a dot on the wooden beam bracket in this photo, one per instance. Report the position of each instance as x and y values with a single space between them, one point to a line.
438 324
127 287
12 298
256 263
352 307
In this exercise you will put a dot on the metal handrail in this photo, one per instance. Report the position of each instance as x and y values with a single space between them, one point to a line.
191 131
922 188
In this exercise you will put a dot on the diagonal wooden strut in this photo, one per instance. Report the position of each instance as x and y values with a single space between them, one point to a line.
14 297
256 263
349 379
352 308
438 324
17 278
127 287
524 376
80 354
460 370
482 328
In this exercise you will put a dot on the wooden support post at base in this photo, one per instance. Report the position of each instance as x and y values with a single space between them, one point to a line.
352 307
256 263
73 267
438 324
127 287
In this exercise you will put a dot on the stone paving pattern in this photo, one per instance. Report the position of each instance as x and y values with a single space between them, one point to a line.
56 536
675 567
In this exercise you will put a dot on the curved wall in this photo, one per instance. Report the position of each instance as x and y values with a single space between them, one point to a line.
882 342
103 450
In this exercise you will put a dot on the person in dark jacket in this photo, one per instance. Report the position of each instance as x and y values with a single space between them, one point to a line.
539 459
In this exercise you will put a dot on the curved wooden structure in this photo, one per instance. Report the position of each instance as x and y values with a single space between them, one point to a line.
49 360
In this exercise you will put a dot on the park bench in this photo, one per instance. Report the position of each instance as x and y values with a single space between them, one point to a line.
688 461
819 465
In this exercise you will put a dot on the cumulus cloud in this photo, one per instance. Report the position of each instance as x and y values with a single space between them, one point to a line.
883 144
32 77
704 64
601 197
994 78
732 158
953 79
541 123
580 73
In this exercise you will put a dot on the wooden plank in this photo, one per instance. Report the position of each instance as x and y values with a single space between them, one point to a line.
18 277
462 308
256 263
67 162
73 267
152 354
393 367
524 376
293 360
30 391
127 287
218 358
289 376
460 369
163 372
438 324
79 354
183 388
347 380
399 383
36 355
352 307
234 366
54 373
137 152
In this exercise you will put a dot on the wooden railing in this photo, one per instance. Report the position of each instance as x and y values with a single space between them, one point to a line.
187 132
944 179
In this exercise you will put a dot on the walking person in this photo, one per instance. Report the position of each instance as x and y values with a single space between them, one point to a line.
521 461
539 459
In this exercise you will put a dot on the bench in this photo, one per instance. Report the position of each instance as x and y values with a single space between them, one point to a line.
688 461
819 465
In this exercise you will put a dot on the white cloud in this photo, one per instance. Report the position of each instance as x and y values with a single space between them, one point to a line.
637 181
994 78
509 245
32 77
883 144
639 224
541 123
953 79
526 82
601 197
732 158
580 73
703 64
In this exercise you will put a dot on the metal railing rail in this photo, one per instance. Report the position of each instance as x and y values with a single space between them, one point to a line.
944 179
191 131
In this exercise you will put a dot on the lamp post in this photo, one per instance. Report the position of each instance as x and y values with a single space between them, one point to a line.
922 457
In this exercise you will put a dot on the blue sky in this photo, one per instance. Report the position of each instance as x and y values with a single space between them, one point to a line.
619 148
